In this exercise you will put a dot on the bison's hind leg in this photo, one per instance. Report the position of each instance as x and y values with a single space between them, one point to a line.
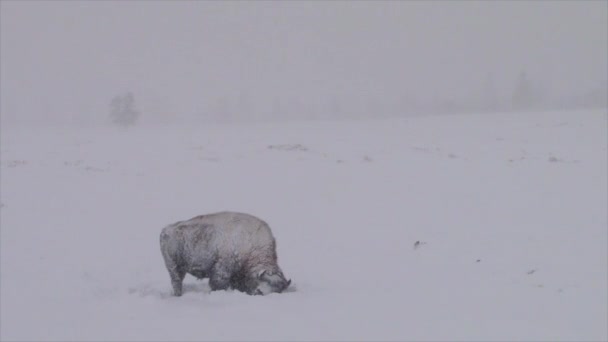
168 247
177 279
176 274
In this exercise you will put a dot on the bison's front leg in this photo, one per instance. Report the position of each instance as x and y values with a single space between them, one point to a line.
219 279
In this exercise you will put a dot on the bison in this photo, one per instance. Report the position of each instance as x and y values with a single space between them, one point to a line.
234 250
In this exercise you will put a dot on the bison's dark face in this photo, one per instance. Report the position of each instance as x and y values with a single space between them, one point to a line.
269 282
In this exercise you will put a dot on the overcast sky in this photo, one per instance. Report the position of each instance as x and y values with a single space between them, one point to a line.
66 60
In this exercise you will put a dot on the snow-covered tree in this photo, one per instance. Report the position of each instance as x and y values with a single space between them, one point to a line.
489 99
122 110
523 94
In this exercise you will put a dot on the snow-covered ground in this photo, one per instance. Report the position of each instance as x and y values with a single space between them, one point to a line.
510 211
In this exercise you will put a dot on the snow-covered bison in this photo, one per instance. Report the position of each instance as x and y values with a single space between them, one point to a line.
234 250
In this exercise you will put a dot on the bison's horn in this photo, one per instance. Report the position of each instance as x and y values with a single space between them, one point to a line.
261 274
288 282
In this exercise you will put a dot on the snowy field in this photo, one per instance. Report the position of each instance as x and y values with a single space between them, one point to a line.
510 212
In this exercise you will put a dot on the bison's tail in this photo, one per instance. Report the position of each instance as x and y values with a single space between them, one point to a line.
164 237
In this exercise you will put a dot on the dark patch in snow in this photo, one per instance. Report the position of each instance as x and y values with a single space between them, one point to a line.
518 159
554 159
421 149
436 151
530 272
418 244
73 163
93 169
288 147
80 164
15 163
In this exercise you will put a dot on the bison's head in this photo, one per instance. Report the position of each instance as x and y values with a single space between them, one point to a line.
269 282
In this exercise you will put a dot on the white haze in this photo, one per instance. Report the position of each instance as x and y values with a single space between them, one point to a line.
486 225
188 61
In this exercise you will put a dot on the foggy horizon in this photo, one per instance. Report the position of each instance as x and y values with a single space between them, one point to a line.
63 62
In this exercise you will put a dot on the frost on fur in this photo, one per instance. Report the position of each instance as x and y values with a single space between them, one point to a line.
234 250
